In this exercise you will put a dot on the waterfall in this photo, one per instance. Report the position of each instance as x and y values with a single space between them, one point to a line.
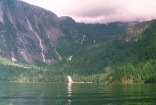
59 56
69 79
70 58
41 46
94 41
40 41
13 59
83 39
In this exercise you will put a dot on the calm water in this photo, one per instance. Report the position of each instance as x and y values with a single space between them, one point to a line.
77 94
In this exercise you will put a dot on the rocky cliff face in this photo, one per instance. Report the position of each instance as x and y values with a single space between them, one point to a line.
135 33
28 33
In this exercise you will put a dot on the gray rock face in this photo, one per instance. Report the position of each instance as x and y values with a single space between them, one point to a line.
28 33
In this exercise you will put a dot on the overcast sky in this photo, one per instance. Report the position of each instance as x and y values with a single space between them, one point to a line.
100 11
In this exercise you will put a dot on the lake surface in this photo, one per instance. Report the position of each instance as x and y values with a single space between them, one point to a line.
77 94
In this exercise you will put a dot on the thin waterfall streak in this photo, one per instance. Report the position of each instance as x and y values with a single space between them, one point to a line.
40 41
83 39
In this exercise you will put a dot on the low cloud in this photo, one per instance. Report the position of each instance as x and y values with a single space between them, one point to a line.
101 11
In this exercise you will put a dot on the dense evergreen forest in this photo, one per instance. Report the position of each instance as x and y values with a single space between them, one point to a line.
120 61
130 58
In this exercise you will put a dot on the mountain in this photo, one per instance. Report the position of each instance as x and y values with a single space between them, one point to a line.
28 33
79 35
130 58
32 34
46 48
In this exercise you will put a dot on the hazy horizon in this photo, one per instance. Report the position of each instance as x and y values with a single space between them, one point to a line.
100 11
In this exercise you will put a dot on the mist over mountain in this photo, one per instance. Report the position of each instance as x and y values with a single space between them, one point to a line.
29 33
130 58
38 46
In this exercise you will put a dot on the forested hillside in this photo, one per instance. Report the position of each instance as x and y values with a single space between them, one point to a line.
79 35
32 34
21 72
38 42
130 58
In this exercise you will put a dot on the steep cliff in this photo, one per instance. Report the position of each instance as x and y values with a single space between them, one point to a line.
27 32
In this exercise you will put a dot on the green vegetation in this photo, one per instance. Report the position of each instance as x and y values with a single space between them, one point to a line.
97 32
67 47
3 47
19 72
115 61
94 33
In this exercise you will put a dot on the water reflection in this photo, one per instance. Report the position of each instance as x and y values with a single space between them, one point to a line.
76 94
69 92
69 89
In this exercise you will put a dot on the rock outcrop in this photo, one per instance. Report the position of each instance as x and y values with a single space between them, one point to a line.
27 32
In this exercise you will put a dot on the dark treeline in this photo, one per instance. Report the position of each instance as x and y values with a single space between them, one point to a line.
115 61
118 61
